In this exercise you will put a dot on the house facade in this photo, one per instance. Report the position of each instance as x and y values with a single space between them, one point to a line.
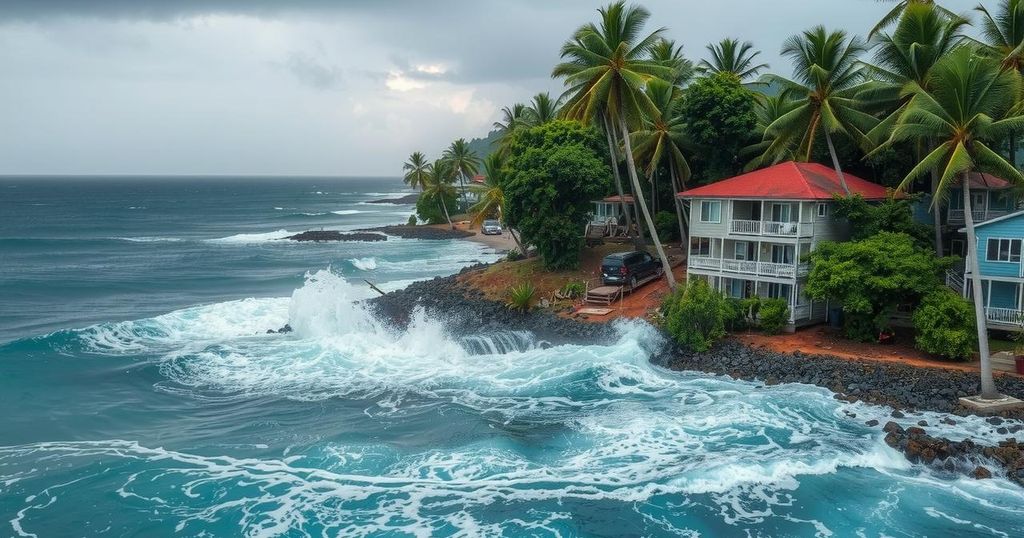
1002 273
991 198
748 234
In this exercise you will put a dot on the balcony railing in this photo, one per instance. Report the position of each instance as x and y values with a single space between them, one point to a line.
1008 316
979 215
772 228
745 267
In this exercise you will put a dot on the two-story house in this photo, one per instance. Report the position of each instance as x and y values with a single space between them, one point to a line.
991 197
1002 274
748 234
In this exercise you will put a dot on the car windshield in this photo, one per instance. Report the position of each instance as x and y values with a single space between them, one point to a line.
490 223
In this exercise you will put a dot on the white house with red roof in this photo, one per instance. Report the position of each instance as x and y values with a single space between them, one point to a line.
749 233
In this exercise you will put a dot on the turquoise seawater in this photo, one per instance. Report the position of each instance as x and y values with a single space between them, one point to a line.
141 395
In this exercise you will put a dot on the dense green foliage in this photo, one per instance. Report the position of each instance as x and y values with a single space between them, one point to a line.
574 289
428 206
869 278
945 325
720 117
773 315
520 296
667 225
552 174
411 221
695 315
892 215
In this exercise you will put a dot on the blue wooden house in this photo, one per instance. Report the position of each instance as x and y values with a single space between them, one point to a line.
1002 273
991 197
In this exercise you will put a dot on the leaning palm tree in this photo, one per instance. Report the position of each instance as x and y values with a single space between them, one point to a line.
440 186
513 118
768 108
1003 36
417 170
904 58
894 14
492 197
732 56
542 109
958 107
667 52
828 78
464 162
606 67
661 140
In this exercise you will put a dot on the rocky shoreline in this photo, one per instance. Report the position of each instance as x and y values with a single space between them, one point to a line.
902 387
408 199
334 235
419 232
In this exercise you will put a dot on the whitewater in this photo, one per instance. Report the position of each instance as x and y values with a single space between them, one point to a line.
197 421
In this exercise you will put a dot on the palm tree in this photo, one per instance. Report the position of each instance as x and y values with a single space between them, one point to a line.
661 140
542 109
417 170
828 79
513 118
666 52
464 162
957 107
731 56
1003 35
904 58
901 6
769 108
492 197
439 185
606 68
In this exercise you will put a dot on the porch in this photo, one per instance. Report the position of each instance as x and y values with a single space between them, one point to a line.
774 219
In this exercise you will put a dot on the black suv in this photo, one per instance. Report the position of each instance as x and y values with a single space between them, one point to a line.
628 268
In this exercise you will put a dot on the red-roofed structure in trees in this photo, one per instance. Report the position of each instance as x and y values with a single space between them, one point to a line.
788 181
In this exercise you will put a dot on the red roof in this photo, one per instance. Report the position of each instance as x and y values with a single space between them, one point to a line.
628 198
988 181
788 181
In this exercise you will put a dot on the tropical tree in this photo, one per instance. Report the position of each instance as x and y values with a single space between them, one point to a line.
513 118
1003 36
464 162
542 109
828 78
901 6
720 118
768 109
903 58
732 56
440 186
417 170
492 196
958 106
660 141
606 67
668 53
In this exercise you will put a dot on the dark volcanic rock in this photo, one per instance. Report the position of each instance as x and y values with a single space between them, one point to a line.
420 232
408 199
334 235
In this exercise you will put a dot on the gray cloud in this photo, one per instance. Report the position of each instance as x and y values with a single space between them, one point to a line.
313 72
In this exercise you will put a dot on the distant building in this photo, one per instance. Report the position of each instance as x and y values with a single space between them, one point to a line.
749 233
1002 274
991 197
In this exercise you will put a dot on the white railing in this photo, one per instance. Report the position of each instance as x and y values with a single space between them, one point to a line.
979 215
1010 316
750 227
769 227
778 270
800 312
955 281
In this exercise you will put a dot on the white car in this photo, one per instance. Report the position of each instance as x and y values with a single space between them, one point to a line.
491 227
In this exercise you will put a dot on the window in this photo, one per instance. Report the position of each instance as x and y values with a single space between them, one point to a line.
781 212
740 250
957 247
778 291
711 211
700 246
822 210
1003 250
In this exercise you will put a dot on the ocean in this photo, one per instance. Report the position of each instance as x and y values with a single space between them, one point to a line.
143 396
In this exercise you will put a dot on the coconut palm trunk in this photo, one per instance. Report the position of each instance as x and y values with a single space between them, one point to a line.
444 207
631 168
988 385
679 204
835 162
618 179
936 214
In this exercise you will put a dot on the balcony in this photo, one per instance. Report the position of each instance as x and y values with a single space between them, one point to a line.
771 228
979 215
1005 316
744 267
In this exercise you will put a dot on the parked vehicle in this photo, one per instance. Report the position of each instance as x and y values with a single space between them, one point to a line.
491 227
628 268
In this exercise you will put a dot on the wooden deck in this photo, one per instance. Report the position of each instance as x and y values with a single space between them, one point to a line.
607 295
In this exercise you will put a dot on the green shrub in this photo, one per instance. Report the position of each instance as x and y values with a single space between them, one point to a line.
667 225
736 315
574 289
773 315
412 220
429 210
695 316
514 255
945 325
520 297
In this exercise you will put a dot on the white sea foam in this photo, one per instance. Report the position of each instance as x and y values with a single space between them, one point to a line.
150 239
253 238
364 264
350 212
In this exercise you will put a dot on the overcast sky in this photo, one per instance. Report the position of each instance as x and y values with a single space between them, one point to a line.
314 88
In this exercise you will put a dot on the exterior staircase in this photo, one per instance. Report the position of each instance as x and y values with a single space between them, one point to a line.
955 281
